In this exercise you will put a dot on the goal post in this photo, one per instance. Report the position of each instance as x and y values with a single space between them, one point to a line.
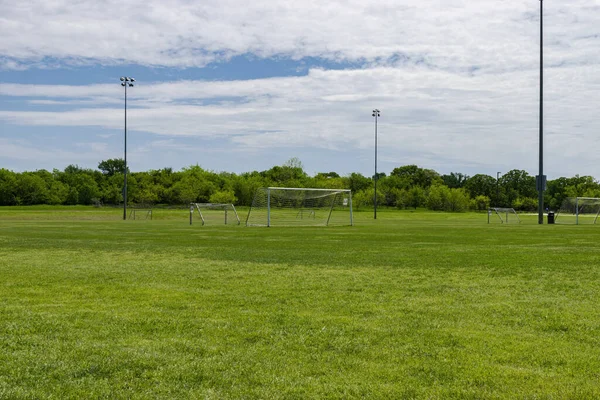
216 213
278 206
504 215
579 211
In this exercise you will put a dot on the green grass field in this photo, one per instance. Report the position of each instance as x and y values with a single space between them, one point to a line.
413 305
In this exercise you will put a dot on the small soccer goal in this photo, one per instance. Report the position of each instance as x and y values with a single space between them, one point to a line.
275 206
578 211
140 213
503 216
215 213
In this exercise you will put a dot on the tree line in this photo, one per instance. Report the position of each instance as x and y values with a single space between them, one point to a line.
407 186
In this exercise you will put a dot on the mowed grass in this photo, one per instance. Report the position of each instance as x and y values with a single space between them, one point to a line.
412 305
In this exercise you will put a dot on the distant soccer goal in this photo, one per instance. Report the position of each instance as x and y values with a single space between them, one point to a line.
140 213
578 211
503 216
275 206
216 213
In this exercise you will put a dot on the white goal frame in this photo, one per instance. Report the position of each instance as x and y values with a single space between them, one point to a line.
301 207
506 215
577 205
226 207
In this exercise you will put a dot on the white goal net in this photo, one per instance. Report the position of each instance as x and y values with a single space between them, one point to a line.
503 216
216 213
578 210
274 206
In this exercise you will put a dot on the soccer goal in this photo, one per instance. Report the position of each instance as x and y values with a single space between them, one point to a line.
578 210
275 206
504 215
140 213
216 213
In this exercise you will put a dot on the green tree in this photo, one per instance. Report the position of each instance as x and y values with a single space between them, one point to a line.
556 192
223 197
416 197
455 180
525 204
8 188
442 198
481 185
327 175
72 196
517 183
458 200
195 186
325 182
357 182
365 198
436 198
389 191
294 162
480 203
31 189
83 180
145 192
286 176
111 189
245 186
56 191
416 176
112 166
394 181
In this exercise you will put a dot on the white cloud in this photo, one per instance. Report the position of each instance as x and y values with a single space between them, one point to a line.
455 34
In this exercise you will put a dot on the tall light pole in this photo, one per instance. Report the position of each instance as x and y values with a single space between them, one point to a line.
541 181
376 114
497 188
126 81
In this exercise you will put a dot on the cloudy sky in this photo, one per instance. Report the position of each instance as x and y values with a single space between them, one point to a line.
240 86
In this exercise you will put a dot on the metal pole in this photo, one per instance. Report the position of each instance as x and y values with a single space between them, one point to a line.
497 187
541 174
376 115
350 203
269 207
125 171
375 202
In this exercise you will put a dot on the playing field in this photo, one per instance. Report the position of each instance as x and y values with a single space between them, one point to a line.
413 305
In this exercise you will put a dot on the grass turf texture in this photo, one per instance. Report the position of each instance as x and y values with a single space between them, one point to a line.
413 305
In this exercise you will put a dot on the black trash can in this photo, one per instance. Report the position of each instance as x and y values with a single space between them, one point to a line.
550 217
